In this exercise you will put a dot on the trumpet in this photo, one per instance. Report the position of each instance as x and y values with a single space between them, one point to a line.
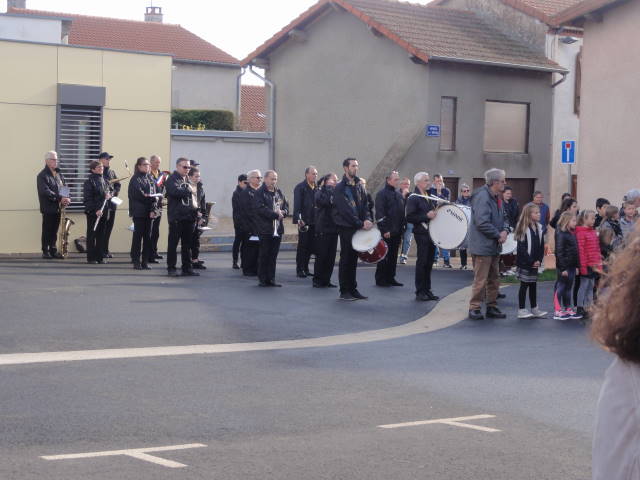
117 180
276 208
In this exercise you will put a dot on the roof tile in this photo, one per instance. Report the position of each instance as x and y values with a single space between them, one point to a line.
252 109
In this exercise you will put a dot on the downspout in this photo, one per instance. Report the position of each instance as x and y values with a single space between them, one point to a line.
272 114
243 70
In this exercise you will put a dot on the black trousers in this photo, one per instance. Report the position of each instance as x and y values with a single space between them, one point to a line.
348 261
325 248
269 248
237 244
50 224
463 257
424 264
141 236
195 243
305 249
110 219
386 268
95 240
180 231
155 236
250 251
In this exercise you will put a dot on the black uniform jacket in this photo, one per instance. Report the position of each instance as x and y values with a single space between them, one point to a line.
114 188
323 207
417 209
263 211
350 204
179 200
236 208
303 202
246 207
140 205
93 192
566 251
390 211
48 191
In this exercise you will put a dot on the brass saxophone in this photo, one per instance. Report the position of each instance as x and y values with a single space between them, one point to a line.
63 232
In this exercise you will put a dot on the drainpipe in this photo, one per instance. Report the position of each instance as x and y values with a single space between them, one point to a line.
243 70
272 114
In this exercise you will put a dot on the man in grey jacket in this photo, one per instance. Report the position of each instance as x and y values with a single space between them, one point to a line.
486 233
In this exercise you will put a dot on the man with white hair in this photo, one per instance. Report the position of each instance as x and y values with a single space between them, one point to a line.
633 196
486 233
246 204
52 194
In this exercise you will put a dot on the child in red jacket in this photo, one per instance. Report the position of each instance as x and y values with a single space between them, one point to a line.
590 258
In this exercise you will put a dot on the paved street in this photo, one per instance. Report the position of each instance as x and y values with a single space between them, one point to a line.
308 412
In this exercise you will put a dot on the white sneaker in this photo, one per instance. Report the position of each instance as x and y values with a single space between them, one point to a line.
524 313
403 260
536 312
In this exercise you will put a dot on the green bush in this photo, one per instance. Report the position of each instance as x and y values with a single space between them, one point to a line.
202 119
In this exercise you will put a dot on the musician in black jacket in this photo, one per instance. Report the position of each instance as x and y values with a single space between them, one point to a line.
251 243
96 195
50 182
143 210
194 179
392 223
182 212
110 209
326 241
303 216
350 213
420 211
270 209
158 178
237 222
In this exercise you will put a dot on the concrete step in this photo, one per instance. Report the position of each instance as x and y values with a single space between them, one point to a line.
224 243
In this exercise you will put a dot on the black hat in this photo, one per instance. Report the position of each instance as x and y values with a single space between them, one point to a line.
193 163
242 177
105 155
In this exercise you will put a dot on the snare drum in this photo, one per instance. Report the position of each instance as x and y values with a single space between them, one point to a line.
450 226
509 246
369 244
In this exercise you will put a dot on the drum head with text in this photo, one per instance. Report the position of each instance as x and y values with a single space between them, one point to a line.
449 229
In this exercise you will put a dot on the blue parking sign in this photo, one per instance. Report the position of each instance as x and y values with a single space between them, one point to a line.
569 151
433 130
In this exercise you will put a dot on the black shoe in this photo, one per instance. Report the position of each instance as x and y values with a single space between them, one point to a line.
102 262
250 274
190 273
395 283
172 272
494 312
198 266
235 266
46 255
91 262
158 257
108 255
153 260
274 284
308 273
475 315
301 274
383 284
56 254
446 265
422 297
137 266
347 297
263 284
358 295
502 295
145 266
331 285
317 285
432 296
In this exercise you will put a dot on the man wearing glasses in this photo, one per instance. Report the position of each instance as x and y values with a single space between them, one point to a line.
486 233
182 213
464 199
237 219
251 241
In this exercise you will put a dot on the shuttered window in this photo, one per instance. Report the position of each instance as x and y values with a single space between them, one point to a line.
79 140
506 127
448 106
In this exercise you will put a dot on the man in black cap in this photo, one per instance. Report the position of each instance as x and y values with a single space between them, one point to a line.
110 208
238 222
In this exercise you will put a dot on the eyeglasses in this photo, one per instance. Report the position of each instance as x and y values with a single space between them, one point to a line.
465 191
145 164
259 178
185 166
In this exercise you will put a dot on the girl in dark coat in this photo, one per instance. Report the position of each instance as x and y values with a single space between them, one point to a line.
566 266
529 257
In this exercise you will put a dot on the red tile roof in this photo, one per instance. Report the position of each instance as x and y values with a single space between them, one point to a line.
543 10
252 109
583 8
154 37
427 33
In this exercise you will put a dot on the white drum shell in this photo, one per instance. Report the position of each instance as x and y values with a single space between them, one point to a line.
450 226
365 240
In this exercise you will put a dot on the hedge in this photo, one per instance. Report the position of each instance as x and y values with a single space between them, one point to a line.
202 119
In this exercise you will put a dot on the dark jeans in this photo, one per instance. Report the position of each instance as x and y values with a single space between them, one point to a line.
522 294
564 285
305 249
50 223
110 219
180 231
325 247
250 251
95 240
141 235
424 264
348 261
155 235
386 268
269 248
463 258
237 245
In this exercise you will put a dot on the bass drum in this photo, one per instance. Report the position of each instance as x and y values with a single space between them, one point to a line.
450 226
509 246
369 244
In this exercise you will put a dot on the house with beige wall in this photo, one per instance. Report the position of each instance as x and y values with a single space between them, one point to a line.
609 97
78 101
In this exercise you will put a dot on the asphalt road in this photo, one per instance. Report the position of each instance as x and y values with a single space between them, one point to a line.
305 413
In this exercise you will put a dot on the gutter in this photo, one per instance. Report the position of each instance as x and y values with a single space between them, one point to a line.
206 62
272 114
501 64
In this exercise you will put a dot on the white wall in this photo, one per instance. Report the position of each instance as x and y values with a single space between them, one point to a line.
30 29
222 157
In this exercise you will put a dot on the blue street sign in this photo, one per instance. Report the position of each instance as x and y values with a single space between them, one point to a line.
569 152
433 130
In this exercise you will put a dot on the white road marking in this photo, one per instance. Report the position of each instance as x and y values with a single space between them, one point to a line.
455 422
449 311
139 453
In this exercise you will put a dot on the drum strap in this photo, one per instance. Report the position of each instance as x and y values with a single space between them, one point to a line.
352 201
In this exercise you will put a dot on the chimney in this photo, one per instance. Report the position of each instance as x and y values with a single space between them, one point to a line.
16 4
152 14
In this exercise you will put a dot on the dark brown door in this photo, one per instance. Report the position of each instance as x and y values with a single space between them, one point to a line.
523 188
452 184
574 186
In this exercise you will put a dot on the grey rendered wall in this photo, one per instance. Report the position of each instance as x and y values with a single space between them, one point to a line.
343 92
473 85
204 87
